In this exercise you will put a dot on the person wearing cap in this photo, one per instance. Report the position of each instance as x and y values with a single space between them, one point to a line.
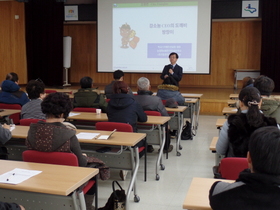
256 188
151 103
270 105
236 131
172 69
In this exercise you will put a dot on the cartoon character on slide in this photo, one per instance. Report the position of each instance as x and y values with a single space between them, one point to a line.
128 37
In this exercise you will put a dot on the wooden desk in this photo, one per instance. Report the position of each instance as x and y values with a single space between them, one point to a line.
197 104
177 124
118 138
220 123
213 144
48 189
192 95
229 110
197 195
234 96
231 103
8 112
239 74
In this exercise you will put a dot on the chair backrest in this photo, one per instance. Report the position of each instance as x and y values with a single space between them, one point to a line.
58 158
14 117
230 167
50 91
153 113
109 126
27 122
84 109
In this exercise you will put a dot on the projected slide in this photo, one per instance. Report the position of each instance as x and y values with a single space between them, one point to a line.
163 28
138 37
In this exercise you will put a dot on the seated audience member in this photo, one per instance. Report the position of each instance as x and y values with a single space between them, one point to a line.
151 103
170 89
88 96
54 136
247 82
123 107
118 76
10 92
10 206
258 189
235 133
5 133
270 105
36 93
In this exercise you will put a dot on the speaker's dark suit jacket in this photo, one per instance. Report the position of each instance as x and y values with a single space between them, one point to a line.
177 75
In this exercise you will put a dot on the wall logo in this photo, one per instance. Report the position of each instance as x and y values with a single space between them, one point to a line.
250 9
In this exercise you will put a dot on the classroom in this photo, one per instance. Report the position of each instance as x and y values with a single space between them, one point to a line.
32 34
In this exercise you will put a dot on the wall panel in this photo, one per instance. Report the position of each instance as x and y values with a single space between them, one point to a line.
12 40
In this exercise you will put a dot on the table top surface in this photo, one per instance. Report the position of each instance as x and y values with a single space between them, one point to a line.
54 179
178 109
191 100
230 101
197 196
159 120
234 95
213 143
192 95
229 110
8 112
118 138
220 122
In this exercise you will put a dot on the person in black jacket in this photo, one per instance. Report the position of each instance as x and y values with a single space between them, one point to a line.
122 107
172 69
10 206
259 187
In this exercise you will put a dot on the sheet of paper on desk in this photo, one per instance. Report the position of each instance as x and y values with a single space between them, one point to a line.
84 135
17 176
103 137
73 114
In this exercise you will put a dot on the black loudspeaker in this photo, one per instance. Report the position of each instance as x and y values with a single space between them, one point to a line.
22 0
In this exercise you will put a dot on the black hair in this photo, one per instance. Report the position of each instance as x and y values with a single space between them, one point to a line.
118 74
247 81
170 81
34 89
265 85
264 148
86 82
173 53
12 76
56 104
251 98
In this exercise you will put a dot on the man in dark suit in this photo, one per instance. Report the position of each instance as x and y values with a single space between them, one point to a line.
173 68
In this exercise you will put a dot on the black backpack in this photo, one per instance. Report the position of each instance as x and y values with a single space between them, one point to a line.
187 132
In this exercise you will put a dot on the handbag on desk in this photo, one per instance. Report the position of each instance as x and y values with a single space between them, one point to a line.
116 200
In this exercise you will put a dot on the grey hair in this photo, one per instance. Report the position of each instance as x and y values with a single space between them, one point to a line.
143 83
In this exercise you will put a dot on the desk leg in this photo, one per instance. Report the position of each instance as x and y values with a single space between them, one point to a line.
132 184
197 113
180 127
162 129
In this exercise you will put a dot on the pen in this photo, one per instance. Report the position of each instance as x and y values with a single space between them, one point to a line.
11 176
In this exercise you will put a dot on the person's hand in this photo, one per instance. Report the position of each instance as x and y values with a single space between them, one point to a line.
171 71
21 207
165 76
6 126
84 154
